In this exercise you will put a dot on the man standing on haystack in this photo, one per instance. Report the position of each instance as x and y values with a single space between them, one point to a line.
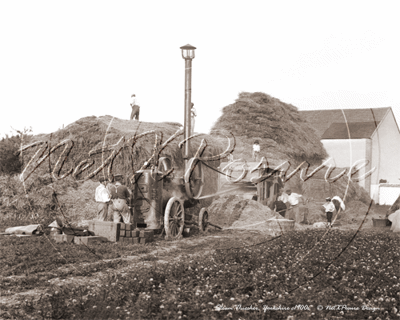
120 197
103 198
193 116
256 150
135 108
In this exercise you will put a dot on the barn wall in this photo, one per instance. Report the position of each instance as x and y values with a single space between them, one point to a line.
347 152
385 151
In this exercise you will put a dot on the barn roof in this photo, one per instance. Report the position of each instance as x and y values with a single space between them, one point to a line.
321 120
352 130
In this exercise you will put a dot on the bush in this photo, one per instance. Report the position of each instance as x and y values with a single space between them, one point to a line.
9 160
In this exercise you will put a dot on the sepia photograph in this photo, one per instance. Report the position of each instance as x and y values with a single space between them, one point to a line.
200 160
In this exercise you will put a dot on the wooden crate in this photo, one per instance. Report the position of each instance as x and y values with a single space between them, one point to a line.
281 224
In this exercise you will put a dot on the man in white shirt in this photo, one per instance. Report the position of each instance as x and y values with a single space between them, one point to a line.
256 150
283 196
103 198
135 108
329 208
292 202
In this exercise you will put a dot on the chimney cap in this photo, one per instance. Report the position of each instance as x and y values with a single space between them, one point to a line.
188 47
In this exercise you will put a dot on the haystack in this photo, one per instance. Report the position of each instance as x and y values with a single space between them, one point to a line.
316 189
234 212
281 131
344 187
79 203
316 213
355 213
92 133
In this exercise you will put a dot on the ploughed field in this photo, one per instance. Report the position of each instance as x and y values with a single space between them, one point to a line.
205 277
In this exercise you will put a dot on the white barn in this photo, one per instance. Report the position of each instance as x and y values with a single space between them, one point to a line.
349 135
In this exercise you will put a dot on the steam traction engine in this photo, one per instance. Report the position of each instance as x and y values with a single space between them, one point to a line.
155 209
159 207
153 203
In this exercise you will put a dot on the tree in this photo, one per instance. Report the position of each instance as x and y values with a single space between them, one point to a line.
10 162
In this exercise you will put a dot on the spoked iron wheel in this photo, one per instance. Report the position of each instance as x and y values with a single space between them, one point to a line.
194 180
174 219
203 219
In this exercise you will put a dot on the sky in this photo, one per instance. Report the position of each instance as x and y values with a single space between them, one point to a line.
64 60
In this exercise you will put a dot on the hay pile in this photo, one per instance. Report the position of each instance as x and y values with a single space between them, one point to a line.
282 132
316 213
345 189
234 212
92 133
351 217
355 213
316 189
76 199
80 203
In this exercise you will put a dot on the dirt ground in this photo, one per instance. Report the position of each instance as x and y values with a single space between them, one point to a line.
243 222
163 251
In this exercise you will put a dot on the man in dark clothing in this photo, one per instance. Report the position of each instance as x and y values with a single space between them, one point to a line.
280 207
120 197
135 108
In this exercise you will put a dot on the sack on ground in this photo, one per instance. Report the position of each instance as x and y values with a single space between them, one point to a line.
33 229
